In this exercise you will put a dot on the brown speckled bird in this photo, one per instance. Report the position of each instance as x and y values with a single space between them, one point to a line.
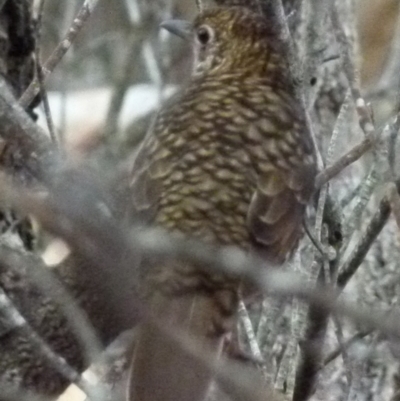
229 161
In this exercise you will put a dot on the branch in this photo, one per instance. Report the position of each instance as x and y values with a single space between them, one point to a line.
369 235
26 148
107 244
344 161
79 22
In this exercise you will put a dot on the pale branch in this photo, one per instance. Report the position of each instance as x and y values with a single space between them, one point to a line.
314 43
344 161
370 233
365 119
285 376
58 53
286 372
249 330
267 332
394 200
247 324
317 319
26 148
346 345
121 86
108 245
324 190
360 202
343 350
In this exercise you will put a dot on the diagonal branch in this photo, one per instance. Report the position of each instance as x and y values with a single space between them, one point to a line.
58 53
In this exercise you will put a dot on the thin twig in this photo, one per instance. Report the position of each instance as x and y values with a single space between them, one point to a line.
252 339
248 326
79 22
394 200
365 119
349 158
40 77
369 235
110 245
344 353
346 344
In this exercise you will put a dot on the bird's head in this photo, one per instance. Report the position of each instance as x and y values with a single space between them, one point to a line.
227 39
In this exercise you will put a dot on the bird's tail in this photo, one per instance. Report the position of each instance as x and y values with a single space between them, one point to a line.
163 371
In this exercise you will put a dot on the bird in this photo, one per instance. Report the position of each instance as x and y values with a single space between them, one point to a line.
230 162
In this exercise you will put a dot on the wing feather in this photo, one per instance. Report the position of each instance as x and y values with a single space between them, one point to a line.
278 205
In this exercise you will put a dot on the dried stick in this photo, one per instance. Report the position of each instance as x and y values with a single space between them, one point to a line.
344 353
365 119
106 242
249 330
40 77
344 161
346 344
26 147
394 200
79 22
369 235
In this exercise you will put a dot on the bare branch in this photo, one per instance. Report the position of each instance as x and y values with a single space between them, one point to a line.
79 22
344 161
369 235
365 119
108 244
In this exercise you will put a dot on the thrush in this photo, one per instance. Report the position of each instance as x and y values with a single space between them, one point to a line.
229 161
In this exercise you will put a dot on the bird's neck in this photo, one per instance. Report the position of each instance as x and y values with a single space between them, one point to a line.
273 68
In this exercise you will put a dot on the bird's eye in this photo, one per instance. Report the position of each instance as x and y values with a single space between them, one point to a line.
204 35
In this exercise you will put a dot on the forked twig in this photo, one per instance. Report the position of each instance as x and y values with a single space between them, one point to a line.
79 22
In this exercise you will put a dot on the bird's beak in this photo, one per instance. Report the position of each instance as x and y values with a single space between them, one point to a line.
178 27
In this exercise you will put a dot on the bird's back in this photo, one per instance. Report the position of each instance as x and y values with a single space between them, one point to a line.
211 148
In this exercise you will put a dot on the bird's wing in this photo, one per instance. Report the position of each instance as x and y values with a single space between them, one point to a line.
283 189
145 185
